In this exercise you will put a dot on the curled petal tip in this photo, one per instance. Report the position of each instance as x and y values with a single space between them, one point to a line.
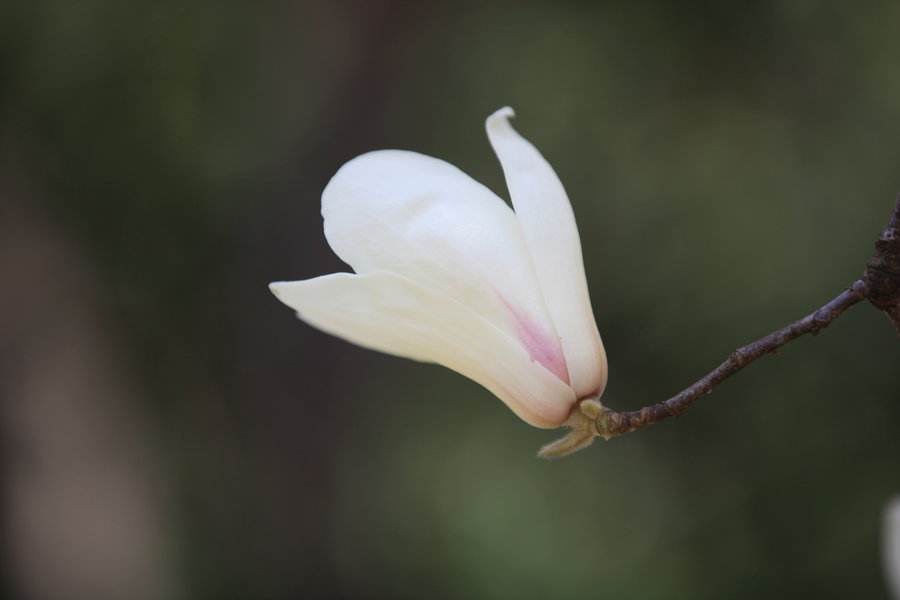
502 114
275 287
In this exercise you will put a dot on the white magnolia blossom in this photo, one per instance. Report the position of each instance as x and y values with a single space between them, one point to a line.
891 547
446 272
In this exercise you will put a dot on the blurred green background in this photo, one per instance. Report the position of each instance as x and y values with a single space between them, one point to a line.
170 430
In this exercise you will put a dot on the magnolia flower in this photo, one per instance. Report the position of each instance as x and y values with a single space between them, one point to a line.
891 547
446 272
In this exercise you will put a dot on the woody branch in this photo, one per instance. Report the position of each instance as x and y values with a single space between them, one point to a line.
879 284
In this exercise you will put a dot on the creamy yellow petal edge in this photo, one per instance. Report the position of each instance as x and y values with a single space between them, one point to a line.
548 223
390 313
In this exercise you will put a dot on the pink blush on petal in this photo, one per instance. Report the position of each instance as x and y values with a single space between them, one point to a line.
541 346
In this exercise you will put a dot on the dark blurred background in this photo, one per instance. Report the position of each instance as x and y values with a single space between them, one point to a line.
169 430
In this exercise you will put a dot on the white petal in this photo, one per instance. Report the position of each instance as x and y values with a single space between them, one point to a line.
390 313
423 218
548 223
891 547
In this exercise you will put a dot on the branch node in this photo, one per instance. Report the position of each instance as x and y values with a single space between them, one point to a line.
882 275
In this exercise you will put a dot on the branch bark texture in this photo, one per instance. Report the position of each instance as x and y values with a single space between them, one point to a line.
880 285
882 274
611 423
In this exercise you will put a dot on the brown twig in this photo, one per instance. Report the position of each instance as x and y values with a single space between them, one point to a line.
880 285
612 423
